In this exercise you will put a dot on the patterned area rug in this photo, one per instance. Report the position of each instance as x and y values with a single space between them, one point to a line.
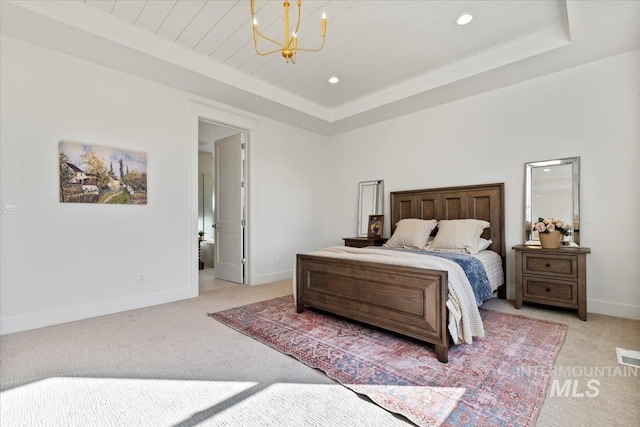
498 380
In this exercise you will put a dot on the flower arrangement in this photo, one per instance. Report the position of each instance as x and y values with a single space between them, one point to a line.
547 225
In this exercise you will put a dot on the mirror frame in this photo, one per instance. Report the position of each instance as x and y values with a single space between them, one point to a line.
377 207
574 223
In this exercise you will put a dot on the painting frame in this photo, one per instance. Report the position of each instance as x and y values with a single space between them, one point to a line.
88 174
376 226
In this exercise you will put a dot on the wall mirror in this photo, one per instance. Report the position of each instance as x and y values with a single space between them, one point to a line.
552 189
370 202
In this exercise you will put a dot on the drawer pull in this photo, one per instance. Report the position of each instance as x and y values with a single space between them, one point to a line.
548 289
547 265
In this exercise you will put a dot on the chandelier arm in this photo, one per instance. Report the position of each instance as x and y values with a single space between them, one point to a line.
312 50
268 38
266 53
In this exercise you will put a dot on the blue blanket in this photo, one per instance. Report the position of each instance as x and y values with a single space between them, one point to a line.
472 267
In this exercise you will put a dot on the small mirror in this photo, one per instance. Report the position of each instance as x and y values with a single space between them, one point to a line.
552 189
371 197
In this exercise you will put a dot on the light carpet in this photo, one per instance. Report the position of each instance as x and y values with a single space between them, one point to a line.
498 380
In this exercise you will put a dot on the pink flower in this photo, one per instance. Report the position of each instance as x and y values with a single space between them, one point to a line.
547 225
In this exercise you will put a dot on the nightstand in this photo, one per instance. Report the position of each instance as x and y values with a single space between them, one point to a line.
361 242
555 277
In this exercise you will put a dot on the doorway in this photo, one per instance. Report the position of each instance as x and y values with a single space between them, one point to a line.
208 126
221 203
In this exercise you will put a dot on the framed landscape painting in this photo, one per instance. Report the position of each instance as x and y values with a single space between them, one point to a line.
97 174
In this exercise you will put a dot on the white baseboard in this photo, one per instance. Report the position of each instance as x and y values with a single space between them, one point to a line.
273 277
616 309
25 322
608 308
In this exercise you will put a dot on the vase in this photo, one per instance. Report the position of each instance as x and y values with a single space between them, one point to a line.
550 240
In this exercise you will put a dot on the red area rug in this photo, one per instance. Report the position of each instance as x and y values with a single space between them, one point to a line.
498 380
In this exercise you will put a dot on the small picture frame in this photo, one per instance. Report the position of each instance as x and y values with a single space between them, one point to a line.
376 226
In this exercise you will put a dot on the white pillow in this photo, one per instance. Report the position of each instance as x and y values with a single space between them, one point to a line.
483 244
411 233
459 234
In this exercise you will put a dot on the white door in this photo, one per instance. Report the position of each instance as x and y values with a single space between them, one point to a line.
229 208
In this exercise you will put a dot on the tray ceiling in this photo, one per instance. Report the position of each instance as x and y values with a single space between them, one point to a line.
371 45
392 57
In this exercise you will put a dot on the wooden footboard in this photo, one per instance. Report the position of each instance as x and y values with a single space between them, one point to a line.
407 300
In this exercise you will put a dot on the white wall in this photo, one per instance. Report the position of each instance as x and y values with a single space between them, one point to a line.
62 262
292 213
591 111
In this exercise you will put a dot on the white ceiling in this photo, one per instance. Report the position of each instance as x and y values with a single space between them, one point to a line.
392 57
415 37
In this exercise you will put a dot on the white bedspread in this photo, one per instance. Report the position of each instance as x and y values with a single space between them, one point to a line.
493 266
464 318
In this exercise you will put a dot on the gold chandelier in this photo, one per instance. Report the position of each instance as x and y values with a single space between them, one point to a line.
289 48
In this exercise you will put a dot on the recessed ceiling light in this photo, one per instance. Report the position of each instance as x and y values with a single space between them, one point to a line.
333 80
464 19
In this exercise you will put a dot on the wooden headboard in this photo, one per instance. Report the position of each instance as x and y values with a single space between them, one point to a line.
484 202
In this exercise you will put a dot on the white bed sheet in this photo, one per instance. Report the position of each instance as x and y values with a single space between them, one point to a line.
493 265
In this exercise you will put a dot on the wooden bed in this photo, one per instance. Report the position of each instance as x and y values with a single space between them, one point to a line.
407 300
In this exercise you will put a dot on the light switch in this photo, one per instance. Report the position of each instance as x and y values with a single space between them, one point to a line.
10 207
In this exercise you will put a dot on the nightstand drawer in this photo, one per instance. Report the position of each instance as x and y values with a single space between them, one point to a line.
548 289
562 266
